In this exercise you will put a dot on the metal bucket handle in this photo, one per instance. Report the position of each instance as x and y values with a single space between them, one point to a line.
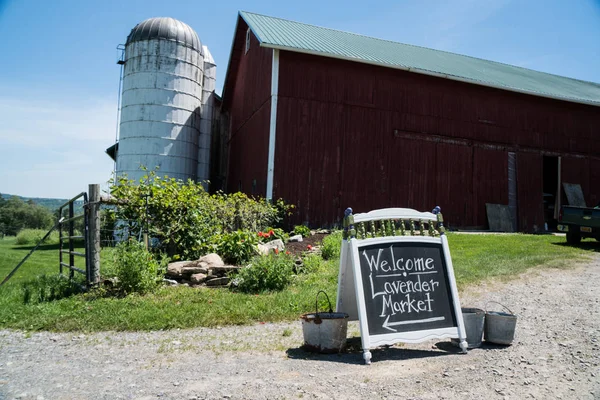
317 303
500 304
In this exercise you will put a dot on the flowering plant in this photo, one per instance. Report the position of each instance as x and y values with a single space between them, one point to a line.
271 234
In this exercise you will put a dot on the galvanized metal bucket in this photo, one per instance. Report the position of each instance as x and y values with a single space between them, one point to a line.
499 326
474 320
324 332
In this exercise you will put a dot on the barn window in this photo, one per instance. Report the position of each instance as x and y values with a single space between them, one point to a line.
247 40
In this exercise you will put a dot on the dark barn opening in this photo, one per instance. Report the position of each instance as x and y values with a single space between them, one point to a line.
551 190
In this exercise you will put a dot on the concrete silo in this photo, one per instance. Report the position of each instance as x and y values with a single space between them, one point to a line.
208 110
161 101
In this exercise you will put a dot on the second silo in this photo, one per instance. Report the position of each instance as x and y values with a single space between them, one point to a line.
161 100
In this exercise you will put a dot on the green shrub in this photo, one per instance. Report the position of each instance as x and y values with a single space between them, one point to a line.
302 230
265 273
237 247
330 248
184 218
136 269
33 236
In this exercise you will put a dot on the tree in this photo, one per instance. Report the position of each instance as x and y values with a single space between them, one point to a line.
16 214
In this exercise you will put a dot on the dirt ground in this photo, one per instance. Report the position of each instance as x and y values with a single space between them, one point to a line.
298 248
555 355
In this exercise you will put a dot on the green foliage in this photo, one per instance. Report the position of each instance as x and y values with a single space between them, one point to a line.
330 248
16 214
48 288
136 269
302 230
237 247
33 236
237 211
184 218
265 273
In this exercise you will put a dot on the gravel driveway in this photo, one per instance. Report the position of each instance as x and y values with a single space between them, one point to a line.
556 355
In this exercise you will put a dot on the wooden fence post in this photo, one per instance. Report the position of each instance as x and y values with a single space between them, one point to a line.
94 234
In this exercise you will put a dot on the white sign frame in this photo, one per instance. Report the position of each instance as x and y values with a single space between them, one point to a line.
351 299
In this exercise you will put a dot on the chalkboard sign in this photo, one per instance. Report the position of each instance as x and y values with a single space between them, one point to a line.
400 288
407 287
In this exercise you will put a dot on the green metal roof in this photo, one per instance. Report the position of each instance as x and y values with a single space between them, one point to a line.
282 34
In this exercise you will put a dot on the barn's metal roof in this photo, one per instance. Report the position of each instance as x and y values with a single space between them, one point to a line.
283 34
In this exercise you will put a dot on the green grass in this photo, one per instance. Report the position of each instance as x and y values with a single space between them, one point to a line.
475 258
480 257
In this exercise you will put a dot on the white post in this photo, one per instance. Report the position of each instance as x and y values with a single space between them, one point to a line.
273 124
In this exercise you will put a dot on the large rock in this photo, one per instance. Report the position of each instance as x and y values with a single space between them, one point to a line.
266 248
194 269
223 281
198 278
211 260
176 268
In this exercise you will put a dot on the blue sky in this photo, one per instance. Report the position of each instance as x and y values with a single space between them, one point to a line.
59 78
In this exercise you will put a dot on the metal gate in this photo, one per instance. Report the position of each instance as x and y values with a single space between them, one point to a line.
68 237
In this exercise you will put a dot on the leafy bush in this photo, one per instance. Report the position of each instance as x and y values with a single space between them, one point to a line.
237 211
33 236
265 273
136 268
330 248
184 218
302 230
237 247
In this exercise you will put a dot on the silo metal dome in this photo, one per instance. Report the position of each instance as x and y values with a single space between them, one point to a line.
161 100
165 28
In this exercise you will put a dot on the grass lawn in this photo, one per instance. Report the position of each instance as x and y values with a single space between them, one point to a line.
475 258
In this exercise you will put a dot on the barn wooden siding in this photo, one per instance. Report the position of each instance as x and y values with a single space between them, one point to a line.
351 134
249 108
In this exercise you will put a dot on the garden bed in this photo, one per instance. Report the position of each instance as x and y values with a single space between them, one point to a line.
298 248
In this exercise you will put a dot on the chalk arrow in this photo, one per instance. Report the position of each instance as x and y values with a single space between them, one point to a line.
386 324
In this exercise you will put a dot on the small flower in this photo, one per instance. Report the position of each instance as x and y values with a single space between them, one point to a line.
309 247
287 252
276 251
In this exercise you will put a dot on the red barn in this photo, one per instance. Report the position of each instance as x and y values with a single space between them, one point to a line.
327 120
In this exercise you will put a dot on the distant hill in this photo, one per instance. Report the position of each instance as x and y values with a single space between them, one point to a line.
50 204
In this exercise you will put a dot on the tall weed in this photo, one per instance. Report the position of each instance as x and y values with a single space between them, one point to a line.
331 246
33 236
265 273
137 270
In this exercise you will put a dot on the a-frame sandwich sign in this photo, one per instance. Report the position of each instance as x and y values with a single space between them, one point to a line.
398 279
